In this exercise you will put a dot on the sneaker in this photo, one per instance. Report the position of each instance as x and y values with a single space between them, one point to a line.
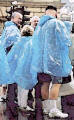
1 99
45 112
57 113
26 108
29 108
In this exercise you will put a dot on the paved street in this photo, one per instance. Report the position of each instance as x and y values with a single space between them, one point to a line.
6 114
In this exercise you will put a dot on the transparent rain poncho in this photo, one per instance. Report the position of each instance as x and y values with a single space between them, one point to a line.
4 68
51 43
19 59
46 51
9 35
72 49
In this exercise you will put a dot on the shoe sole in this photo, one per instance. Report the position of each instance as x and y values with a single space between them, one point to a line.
52 116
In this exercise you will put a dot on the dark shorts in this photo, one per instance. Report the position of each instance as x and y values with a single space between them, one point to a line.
56 80
43 77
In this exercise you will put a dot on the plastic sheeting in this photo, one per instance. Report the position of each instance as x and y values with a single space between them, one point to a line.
47 51
51 43
72 49
10 34
19 59
4 68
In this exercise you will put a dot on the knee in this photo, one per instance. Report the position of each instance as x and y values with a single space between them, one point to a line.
44 95
53 96
54 91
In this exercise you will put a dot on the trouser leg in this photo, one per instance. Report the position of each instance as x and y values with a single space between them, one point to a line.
11 96
38 103
30 99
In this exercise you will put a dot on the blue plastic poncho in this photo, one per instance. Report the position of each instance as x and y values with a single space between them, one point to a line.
10 34
19 59
4 68
72 49
51 43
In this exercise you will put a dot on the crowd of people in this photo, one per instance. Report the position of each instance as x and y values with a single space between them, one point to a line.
34 57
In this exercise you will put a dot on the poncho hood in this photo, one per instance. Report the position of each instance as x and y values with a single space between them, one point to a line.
44 19
51 40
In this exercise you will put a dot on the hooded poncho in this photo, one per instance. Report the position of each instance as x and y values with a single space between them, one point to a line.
46 51
9 35
51 42
19 59
4 67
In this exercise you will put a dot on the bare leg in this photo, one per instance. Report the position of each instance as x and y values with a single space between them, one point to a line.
54 91
45 90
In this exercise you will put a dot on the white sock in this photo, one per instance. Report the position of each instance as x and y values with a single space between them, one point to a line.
46 105
22 97
53 104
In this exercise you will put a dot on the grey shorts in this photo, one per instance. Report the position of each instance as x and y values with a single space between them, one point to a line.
43 77
56 80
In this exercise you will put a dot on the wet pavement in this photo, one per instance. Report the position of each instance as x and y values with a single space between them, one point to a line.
7 114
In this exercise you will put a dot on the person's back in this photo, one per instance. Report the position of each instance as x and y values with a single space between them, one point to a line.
53 46
51 55
21 55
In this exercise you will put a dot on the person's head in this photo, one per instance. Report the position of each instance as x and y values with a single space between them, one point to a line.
34 21
16 18
27 30
51 10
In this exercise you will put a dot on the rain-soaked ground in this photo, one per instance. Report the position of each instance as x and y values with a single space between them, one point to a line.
7 114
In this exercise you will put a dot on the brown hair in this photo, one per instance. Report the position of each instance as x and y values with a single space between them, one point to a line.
27 30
